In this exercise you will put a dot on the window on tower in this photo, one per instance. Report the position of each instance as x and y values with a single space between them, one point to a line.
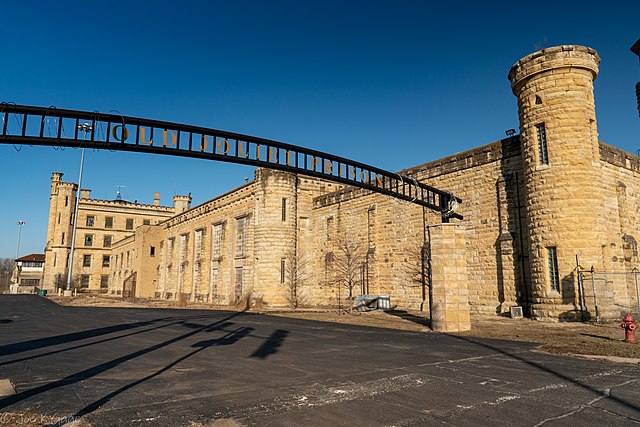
543 154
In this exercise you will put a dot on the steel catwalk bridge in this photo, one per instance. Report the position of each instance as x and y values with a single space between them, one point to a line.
29 125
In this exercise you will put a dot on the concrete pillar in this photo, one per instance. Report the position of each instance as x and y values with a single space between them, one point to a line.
449 278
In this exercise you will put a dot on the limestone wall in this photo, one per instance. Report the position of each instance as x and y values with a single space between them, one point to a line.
488 179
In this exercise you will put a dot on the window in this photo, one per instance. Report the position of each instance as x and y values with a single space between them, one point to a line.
88 239
86 261
329 228
283 264
197 245
105 260
66 200
184 240
30 282
108 222
84 281
284 209
238 283
552 260
217 242
215 277
129 225
106 241
71 219
104 282
58 218
146 222
152 251
90 220
542 144
241 236
35 264
62 240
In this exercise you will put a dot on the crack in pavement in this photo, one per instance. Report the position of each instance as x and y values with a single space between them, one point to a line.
604 395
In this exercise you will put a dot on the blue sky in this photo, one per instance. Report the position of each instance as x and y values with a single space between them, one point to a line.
389 83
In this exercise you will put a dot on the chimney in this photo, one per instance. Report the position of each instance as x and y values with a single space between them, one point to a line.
156 199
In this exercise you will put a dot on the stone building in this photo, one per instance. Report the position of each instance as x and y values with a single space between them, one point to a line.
100 224
543 211
233 245
28 273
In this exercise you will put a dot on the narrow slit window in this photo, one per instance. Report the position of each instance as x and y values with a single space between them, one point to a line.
284 209
542 144
554 277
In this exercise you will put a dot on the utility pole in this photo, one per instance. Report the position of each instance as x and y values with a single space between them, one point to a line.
20 224
85 127
636 49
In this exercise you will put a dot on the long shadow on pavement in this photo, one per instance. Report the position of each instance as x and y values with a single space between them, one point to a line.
228 339
36 356
587 387
95 370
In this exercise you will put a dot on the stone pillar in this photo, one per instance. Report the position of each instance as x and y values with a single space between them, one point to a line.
450 294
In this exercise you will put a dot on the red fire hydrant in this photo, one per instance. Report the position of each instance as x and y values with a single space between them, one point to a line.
629 326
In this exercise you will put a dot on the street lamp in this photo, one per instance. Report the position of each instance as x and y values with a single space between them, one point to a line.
20 224
85 127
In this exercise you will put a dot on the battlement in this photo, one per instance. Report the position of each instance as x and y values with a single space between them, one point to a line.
553 58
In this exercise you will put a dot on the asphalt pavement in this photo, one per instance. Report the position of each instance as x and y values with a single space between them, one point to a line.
180 367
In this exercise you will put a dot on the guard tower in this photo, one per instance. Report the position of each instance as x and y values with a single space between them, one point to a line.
561 170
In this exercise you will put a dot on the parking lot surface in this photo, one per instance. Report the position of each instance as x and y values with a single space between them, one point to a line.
177 367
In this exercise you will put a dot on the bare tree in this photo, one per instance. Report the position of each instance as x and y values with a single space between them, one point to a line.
296 275
347 266
417 264
7 265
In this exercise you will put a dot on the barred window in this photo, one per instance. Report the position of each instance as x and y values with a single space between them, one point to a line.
129 224
108 222
105 260
86 261
197 244
542 144
106 242
241 237
554 276
215 277
218 231
283 265
90 220
238 283
30 282
84 281
284 209
104 282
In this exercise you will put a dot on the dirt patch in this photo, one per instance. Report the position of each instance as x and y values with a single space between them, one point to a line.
603 339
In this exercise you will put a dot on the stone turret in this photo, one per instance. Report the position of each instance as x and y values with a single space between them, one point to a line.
181 203
562 176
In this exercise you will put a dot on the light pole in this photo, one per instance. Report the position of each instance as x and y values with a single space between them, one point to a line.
20 224
85 127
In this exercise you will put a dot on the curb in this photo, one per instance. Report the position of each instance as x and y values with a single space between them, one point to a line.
615 359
